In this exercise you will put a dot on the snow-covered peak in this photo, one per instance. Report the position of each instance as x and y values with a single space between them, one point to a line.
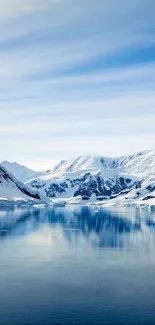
89 178
99 178
82 163
11 188
21 172
136 164
141 164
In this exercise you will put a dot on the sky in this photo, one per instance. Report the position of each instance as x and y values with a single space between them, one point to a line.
77 77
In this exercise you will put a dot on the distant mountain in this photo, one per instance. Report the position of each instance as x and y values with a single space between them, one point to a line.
99 179
22 173
12 189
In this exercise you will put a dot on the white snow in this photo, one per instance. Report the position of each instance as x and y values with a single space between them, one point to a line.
139 167
22 173
13 191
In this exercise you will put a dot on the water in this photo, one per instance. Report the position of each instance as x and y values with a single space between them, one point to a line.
77 265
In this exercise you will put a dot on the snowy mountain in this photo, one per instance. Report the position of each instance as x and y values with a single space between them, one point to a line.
99 179
12 189
22 173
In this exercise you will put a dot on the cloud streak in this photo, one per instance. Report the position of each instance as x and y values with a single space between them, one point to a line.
88 63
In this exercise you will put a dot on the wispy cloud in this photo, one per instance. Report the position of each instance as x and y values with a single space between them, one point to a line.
10 9
80 61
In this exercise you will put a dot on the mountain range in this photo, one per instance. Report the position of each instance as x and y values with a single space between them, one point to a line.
93 180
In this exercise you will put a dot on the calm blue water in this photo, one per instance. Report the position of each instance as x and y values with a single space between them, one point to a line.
77 265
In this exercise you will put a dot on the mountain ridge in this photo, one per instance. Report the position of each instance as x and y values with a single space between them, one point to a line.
21 172
89 178
12 189
86 179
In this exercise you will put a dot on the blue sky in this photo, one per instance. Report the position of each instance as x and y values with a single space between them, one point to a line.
76 78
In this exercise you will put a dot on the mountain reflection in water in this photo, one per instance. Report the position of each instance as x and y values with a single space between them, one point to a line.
126 228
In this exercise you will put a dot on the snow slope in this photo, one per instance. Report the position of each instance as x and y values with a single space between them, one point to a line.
12 189
22 173
99 179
